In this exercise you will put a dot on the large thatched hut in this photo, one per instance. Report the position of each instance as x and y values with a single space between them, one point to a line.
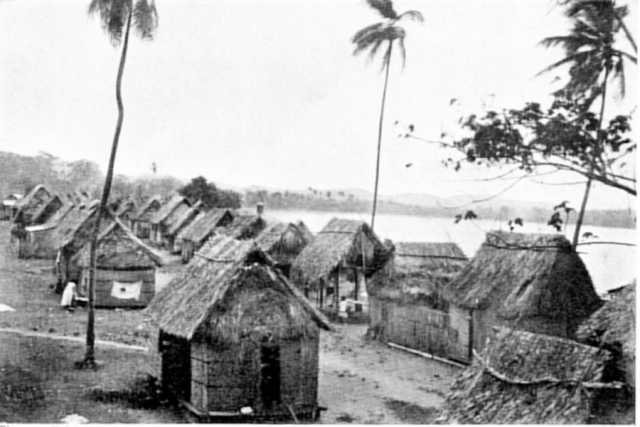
234 334
283 242
527 378
168 213
193 236
125 268
30 204
8 207
141 222
176 223
344 248
405 300
534 282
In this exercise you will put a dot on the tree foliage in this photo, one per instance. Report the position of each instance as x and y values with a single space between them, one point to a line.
210 195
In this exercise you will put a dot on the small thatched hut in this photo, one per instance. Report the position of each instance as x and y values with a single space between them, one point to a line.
234 333
283 242
405 300
125 268
126 212
141 222
244 226
173 209
8 208
342 248
30 204
47 210
533 282
526 378
38 241
193 236
176 223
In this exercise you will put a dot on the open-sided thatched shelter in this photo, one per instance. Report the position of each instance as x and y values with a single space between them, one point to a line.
533 282
527 378
405 300
283 242
125 268
234 333
30 204
176 223
141 222
168 213
342 247
193 236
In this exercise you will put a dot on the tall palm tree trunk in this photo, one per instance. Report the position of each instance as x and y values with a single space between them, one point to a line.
89 358
587 190
384 97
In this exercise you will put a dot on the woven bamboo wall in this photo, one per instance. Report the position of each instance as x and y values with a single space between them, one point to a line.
104 284
229 379
39 245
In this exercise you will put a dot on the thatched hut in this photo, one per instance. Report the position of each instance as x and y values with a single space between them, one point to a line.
405 300
613 327
176 223
234 334
8 208
343 247
30 204
244 226
527 378
283 242
126 212
193 236
168 213
533 282
47 210
38 240
141 222
125 268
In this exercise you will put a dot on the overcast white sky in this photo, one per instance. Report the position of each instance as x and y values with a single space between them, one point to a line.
267 93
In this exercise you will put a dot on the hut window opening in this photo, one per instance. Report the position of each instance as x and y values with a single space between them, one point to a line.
269 372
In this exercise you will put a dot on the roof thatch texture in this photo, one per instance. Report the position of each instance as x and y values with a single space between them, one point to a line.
32 202
168 208
147 210
282 241
180 218
76 227
339 241
119 249
526 378
418 271
613 324
229 290
47 210
525 275
126 208
204 225
243 226
308 235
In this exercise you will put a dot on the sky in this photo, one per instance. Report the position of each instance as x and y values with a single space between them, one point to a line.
268 93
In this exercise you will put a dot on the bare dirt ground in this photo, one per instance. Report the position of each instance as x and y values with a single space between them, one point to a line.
360 381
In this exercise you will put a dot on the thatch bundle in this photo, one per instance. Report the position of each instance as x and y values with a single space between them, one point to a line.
203 226
181 217
228 290
526 378
341 241
417 272
525 276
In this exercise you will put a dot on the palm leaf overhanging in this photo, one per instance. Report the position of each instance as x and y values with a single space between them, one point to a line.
113 17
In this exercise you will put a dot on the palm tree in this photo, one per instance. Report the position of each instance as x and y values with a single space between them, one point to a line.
116 17
371 38
594 60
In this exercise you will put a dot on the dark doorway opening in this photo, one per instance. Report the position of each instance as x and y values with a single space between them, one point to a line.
269 373
176 366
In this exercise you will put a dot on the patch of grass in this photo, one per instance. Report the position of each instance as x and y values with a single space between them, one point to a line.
143 393
412 413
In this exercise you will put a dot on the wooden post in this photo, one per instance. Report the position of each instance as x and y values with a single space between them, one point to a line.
357 287
336 290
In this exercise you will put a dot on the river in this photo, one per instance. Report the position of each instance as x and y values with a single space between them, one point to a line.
609 265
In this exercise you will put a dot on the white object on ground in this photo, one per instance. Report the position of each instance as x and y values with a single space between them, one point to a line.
68 295
74 419
4 307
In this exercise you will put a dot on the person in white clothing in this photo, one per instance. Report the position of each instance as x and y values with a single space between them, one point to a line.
68 296
343 306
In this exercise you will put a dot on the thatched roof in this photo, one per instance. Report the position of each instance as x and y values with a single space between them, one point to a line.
75 228
526 378
418 270
47 209
282 241
126 208
228 290
119 249
204 224
166 210
11 199
613 324
243 226
180 218
147 210
527 275
32 202
308 235
340 240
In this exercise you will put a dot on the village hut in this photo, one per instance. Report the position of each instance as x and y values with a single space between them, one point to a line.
406 306
192 237
47 210
283 242
533 282
343 247
8 208
308 235
38 239
176 223
528 378
613 328
30 204
244 226
236 337
126 212
141 222
125 269
174 208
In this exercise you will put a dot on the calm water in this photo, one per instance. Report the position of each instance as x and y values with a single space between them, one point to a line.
610 266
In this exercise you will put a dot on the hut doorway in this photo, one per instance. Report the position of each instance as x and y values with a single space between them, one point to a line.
269 373
176 366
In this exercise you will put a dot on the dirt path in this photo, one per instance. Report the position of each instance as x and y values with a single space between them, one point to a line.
81 340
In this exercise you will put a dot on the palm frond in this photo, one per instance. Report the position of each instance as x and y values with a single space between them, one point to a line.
413 15
387 57
618 72
626 55
366 30
580 56
374 48
552 41
403 51
145 18
384 7
112 15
